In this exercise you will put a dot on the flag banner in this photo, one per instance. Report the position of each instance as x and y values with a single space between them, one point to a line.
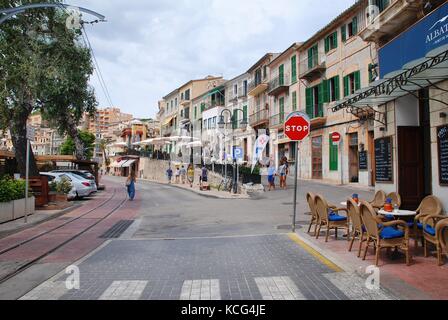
259 148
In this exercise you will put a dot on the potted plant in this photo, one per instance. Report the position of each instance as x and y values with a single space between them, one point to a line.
6 204
52 187
63 188
249 176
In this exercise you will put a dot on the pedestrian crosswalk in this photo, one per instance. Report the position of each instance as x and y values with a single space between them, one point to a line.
269 288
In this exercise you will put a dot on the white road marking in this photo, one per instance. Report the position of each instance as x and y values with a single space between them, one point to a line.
278 288
124 290
201 290
47 291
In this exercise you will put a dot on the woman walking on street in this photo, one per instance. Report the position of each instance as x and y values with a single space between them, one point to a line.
130 185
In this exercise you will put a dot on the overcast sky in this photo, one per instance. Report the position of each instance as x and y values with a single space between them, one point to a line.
150 47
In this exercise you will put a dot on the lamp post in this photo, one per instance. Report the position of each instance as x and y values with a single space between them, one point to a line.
222 124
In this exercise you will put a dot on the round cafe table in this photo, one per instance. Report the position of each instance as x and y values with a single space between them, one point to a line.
345 204
399 213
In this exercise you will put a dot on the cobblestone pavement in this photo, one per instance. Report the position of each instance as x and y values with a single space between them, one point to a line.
236 268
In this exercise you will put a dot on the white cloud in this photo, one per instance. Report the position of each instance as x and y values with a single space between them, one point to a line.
148 48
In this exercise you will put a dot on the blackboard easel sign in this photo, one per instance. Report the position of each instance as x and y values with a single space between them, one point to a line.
384 160
442 145
363 162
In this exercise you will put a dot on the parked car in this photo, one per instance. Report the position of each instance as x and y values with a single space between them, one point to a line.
81 187
81 173
57 177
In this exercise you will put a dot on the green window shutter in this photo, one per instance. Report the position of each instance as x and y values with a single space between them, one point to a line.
321 96
294 69
325 91
245 113
281 75
346 86
310 58
335 40
344 33
337 88
195 112
309 102
357 80
355 25
282 105
294 101
202 107
235 119
333 156
327 44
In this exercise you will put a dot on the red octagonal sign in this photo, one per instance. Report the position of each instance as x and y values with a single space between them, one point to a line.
297 127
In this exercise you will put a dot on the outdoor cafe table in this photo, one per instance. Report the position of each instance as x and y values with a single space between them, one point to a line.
345 204
399 213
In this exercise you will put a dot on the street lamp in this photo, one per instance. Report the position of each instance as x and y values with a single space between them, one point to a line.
243 124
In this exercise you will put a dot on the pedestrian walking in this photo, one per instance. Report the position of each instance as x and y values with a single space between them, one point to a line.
286 163
183 174
282 172
271 176
169 174
204 176
177 175
130 185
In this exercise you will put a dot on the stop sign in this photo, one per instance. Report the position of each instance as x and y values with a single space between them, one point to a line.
336 137
297 127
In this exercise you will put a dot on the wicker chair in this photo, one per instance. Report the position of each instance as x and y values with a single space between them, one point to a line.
384 235
379 200
431 205
330 221
442 231
430 228
358 229
311 199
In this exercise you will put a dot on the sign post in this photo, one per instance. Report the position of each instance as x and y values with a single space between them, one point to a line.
297 128
30 133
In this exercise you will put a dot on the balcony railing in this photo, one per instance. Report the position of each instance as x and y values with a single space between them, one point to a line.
259 117
279 85
277 120
313 66
257 86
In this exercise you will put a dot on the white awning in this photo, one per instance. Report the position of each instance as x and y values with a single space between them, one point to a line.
127 163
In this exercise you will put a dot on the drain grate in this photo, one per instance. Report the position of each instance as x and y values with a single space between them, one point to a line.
117 230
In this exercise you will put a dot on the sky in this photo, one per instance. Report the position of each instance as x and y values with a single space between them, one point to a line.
148 48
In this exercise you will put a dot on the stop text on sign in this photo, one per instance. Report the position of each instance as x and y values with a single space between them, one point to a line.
293 128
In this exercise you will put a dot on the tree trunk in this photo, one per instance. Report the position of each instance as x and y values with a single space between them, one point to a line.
72 131
18 135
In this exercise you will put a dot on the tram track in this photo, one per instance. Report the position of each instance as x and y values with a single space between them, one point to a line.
35 260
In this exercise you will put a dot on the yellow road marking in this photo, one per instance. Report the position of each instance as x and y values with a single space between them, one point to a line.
294 237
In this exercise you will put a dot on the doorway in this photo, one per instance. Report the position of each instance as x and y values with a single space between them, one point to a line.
353 158
414 158
316 155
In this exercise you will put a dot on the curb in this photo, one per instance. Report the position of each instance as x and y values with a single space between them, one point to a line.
193 191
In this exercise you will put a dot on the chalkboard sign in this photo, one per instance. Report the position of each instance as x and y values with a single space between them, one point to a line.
383 159
363 162
442 142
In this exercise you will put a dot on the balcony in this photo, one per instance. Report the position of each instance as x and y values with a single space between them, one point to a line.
279 85
259 118
392 20
185 101
277 121
314 68
258 86
232 97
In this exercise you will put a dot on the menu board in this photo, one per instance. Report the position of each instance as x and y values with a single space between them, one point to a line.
442 142
383 160
363 164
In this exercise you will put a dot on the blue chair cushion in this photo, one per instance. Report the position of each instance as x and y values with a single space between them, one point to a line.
364 229
410 224
430 230
389 217
336 218
391 233
420 225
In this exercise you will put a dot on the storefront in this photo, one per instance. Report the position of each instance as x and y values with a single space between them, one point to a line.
124 166
409 106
